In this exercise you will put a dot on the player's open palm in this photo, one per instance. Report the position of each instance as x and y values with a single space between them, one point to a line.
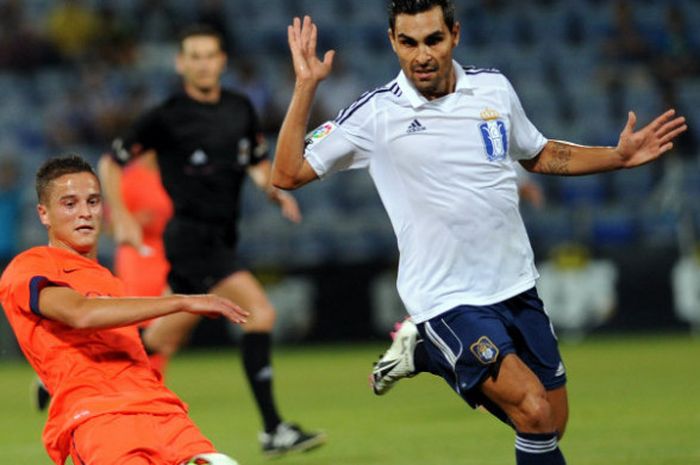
303 37
647 144
213 306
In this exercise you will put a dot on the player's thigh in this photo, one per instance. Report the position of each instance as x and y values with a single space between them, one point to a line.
464 346
245 290
122 439
183 438
138 439
520 394
514 382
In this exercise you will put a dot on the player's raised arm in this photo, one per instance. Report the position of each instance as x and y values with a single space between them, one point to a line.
127 230
634 148
290 170
67 306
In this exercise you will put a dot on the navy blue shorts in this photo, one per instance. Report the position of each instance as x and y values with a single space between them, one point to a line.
466 344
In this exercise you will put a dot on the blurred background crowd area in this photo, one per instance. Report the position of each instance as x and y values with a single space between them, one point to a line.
75 73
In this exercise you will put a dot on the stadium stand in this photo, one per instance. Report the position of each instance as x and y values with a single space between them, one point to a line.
564 57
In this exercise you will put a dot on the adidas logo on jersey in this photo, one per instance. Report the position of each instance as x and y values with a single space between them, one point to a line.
415 126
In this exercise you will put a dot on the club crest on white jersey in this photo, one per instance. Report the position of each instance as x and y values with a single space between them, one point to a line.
495 136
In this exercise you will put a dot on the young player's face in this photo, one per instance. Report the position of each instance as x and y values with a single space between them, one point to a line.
72 212
201 62
423 45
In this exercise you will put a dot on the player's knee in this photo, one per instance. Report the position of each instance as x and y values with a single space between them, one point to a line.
210 459
534 415
261 319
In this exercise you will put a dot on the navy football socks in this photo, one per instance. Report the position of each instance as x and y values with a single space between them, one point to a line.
538 449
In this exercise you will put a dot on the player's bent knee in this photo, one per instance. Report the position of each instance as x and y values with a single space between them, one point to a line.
261 319
534 416
210 459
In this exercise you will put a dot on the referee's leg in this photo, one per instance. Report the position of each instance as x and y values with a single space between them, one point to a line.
279 437
244 289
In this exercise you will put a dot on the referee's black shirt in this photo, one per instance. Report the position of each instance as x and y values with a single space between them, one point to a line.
203 152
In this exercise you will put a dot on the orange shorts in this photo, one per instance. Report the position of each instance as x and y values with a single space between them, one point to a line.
137 439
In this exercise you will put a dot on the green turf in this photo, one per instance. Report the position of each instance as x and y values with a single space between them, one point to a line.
633 401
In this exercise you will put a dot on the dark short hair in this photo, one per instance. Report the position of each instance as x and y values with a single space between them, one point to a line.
413 7
196 30
56 167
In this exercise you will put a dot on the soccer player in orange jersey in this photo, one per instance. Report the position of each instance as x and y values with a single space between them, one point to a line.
144 271
79 334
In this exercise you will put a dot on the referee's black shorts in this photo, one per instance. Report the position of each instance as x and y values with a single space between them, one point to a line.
201 254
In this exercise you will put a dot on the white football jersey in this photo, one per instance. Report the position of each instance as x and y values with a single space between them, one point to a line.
443 169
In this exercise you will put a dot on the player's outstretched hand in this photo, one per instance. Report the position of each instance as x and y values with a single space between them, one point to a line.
647 144
302 37
213 306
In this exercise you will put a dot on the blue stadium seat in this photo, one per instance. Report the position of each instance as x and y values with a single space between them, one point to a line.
632 188
551 225
582 190
612 226
658 228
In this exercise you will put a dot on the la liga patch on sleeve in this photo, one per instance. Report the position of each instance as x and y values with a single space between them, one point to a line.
320 133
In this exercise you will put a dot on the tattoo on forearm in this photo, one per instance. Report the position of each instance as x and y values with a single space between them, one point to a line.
558 163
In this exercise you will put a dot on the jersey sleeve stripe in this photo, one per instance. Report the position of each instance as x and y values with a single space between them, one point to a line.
364 98
36 284
472 70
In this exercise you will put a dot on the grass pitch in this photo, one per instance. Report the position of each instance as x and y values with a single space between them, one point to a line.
634 400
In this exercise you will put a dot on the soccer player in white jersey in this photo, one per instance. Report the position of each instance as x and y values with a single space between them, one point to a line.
439 142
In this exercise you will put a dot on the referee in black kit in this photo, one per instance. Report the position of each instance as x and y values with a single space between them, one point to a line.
206 140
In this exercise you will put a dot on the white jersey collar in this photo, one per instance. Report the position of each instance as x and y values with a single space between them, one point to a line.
416 99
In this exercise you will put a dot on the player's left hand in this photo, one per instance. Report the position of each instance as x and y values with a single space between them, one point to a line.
647 144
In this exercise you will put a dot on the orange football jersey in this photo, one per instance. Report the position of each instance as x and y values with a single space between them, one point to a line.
144 272
88 372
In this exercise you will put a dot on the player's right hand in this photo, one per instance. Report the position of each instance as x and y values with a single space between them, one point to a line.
213 306
302 37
